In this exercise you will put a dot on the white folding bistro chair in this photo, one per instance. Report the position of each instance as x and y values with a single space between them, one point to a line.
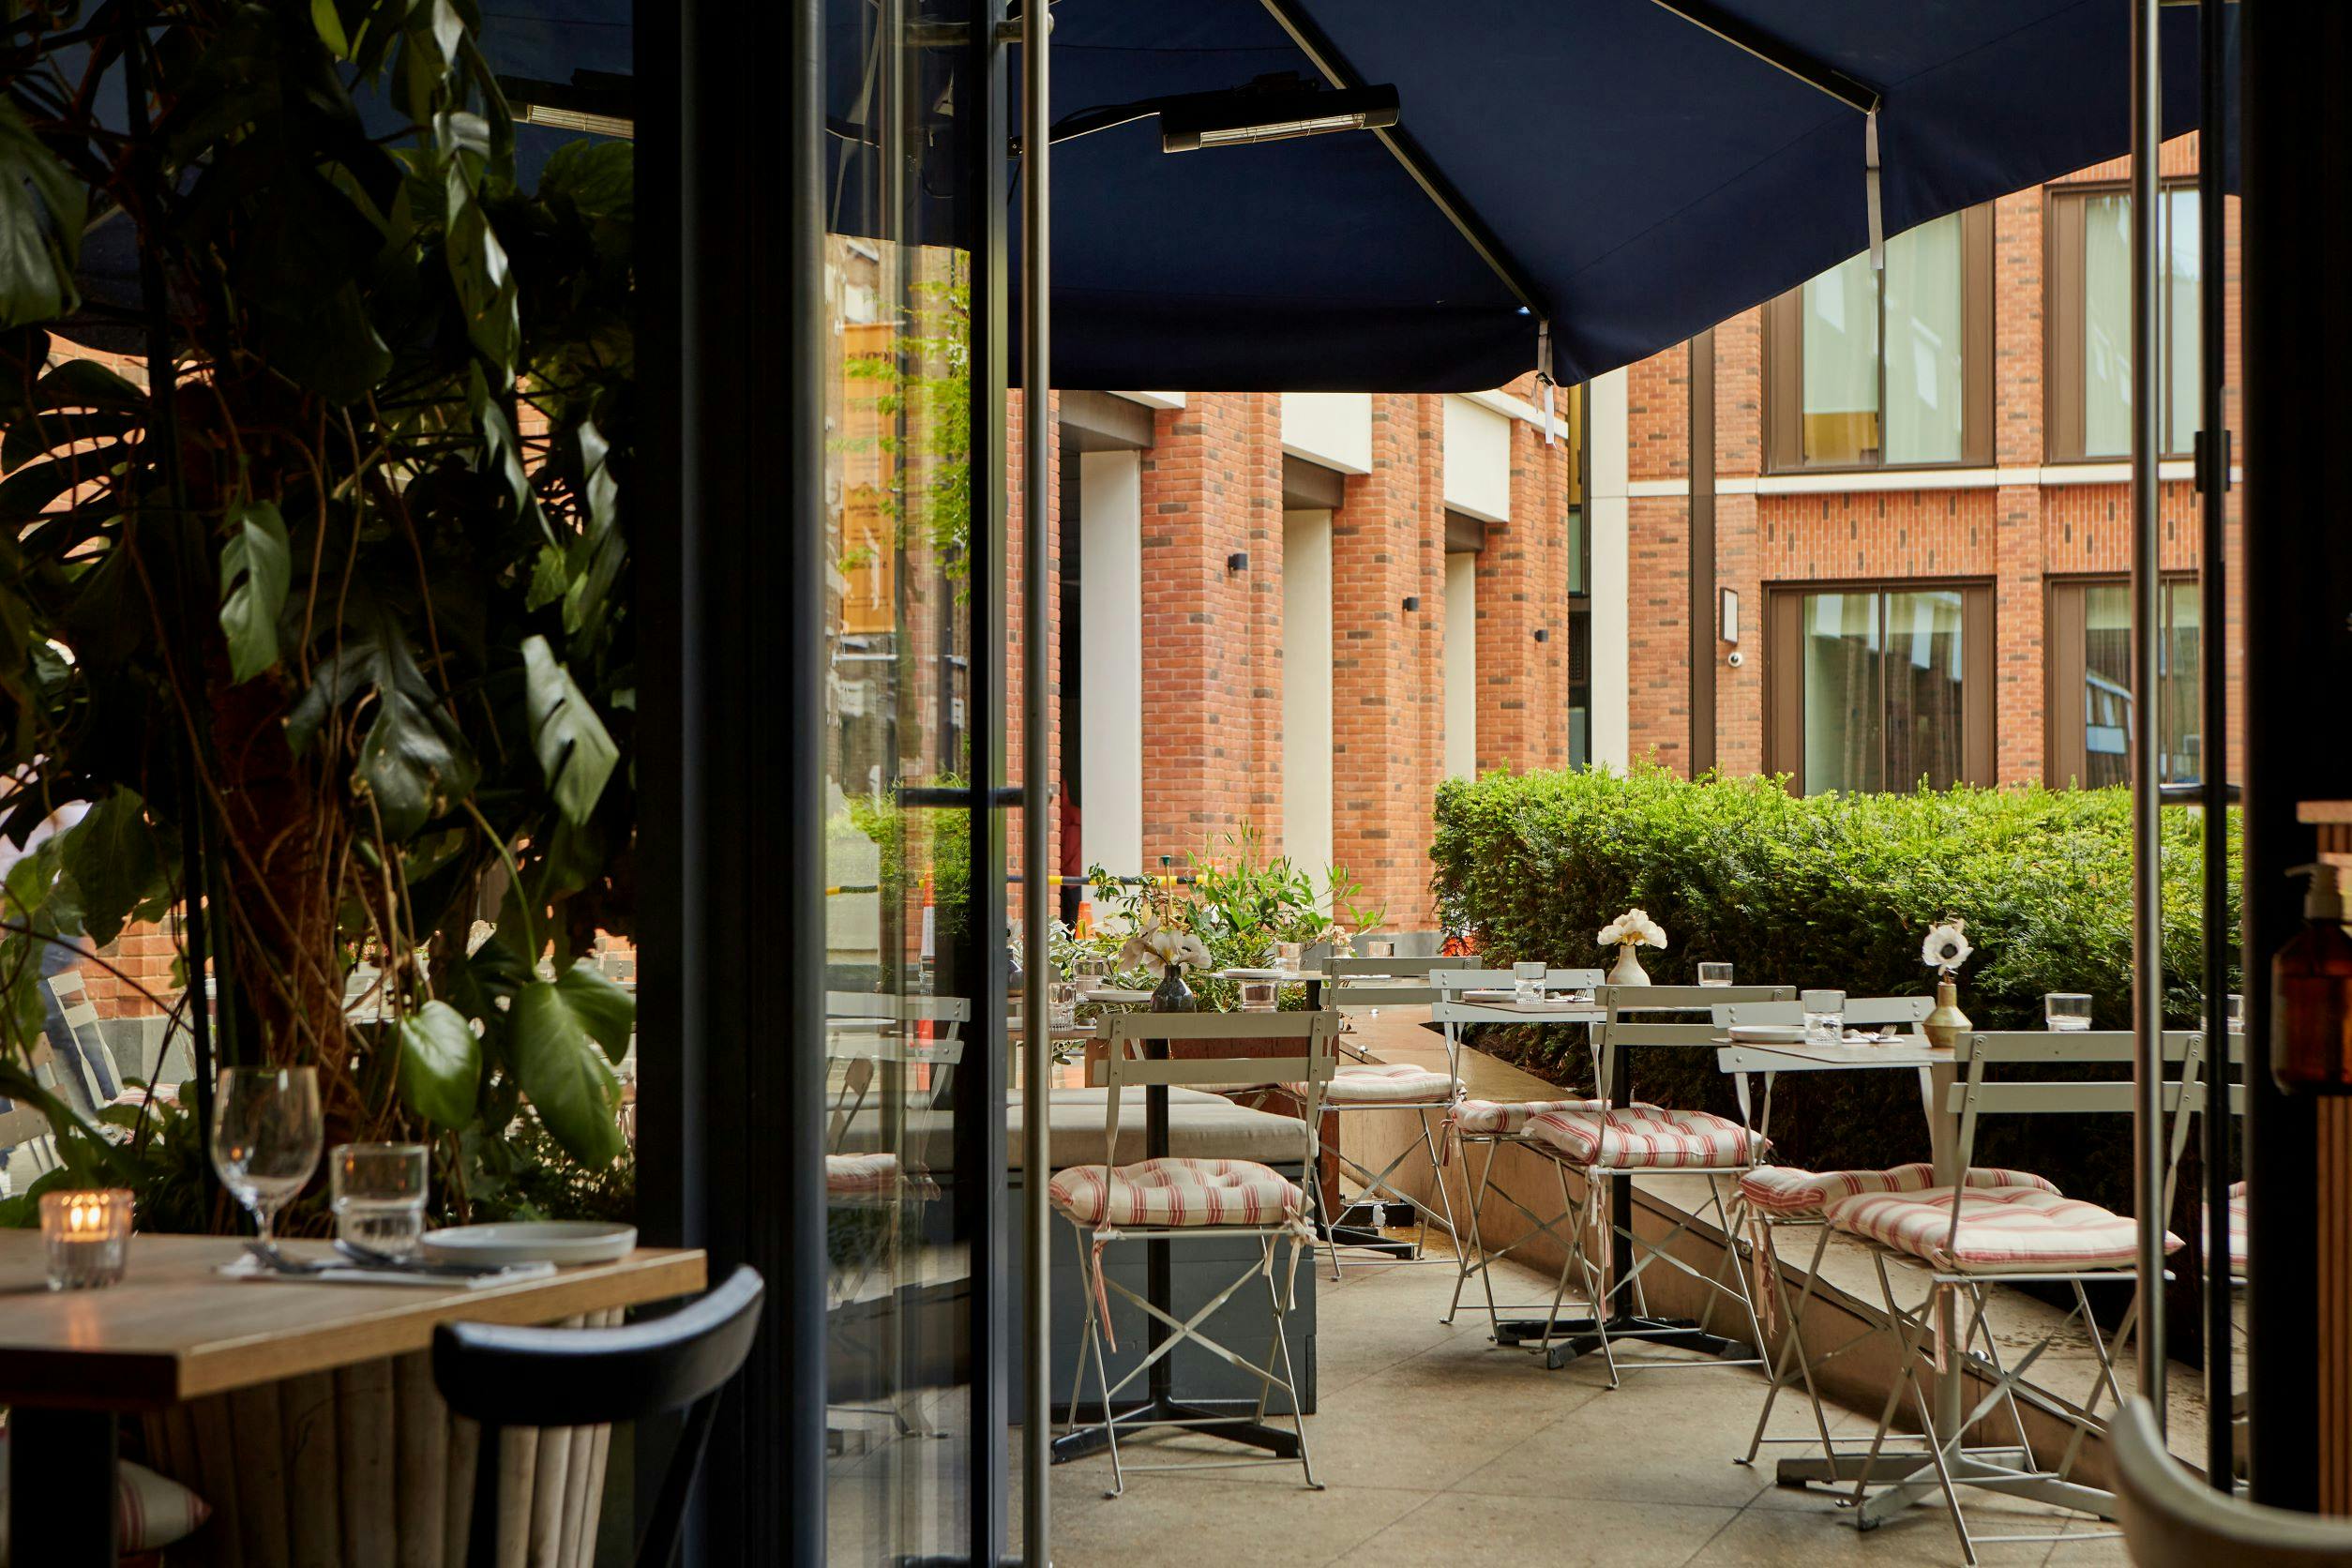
1969 1236
1600 1143
82 1059
1777 1198
1177 1200
24 1125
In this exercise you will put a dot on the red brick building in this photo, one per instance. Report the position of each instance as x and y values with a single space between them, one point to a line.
1863 557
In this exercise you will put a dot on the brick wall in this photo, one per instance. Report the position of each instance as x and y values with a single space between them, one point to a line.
2009 528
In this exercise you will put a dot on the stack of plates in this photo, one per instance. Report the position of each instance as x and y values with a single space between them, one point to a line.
1768 1034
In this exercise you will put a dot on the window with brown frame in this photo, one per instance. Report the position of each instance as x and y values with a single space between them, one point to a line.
2088 347
1879 686
1867 369
2090 707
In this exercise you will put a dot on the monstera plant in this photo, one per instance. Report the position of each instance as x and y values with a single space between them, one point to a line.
315 429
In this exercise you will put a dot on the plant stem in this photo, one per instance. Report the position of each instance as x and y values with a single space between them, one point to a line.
514 873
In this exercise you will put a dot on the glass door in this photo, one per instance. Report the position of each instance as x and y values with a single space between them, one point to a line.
914 971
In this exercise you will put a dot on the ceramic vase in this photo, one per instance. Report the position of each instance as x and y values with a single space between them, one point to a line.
1947 1023
1172 995
1628 971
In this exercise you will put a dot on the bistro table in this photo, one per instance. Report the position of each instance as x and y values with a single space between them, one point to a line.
175 1333
1938 1070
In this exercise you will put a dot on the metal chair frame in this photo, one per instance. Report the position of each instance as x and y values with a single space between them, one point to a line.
1907 1014
1317 1034
1592 1214
1955 1462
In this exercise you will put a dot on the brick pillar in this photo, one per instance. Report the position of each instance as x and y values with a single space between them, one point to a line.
1388 741
1739 563
1523 587
1212 637
1016 526
1657 563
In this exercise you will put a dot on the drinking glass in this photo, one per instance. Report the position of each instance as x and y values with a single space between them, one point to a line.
1714 974
266 1136
1288 956
378 1190
2067 1010
1825 1015
1062 999
1257 996
1527 983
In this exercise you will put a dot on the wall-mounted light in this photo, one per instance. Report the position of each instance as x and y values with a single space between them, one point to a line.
1412 602
1237 562
1729 615
1543 634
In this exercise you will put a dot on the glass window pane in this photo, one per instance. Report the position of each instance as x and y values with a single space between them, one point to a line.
1923 343
2180 673
2183 266
1841 693
1841 365
2107 327
1923 673
2106 684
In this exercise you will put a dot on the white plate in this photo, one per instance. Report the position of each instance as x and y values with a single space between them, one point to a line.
1253 975
555 1241
1768 1034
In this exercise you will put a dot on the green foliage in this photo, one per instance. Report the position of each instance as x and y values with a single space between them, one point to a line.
1832 891
349 586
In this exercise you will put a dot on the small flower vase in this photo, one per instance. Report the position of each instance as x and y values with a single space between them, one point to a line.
1172 995
1947 1023
1628 971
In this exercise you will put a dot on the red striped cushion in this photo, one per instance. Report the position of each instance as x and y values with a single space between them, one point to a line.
1374 1083
2002 1230
1178 1192
1787 1193
1643 1138
1503 1117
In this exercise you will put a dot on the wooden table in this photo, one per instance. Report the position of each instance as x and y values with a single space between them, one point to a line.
174 1337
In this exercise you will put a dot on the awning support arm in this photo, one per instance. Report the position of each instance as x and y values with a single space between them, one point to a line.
1325 57
1858 95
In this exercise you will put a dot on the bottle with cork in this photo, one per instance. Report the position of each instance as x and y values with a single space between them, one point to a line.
2311 994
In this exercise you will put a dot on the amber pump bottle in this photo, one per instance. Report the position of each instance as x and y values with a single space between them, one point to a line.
2311 995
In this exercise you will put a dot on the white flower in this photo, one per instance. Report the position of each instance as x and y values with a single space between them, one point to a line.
1946 947
1633 926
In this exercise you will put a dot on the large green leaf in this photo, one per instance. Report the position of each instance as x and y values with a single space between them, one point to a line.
414 761
606 1011
440 1065
42 209
573 745
568 1081
256 570
116 864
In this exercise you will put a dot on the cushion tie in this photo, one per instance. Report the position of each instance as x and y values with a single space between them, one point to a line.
1104 1236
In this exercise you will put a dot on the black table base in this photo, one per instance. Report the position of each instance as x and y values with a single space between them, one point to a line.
1234 1419
1571 1337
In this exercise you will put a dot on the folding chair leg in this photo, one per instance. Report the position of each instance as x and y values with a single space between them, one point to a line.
1906 1371
1289 1373
1445 1200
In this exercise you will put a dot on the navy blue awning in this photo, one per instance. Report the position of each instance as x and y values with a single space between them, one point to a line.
1648 178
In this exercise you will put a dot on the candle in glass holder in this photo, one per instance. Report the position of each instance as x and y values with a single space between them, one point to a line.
88 1237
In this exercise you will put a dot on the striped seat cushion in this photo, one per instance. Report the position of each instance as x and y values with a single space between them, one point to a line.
1645 1137
1178 1192
1377 1083
875 1175
1507 1118
2002 1230
2237 1226
1785 1192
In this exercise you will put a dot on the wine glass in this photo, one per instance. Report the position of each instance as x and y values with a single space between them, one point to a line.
267 1134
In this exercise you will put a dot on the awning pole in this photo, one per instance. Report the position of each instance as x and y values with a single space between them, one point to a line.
2220 1447
1036 957
2148 906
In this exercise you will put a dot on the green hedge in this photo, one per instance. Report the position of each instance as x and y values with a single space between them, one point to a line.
1833 891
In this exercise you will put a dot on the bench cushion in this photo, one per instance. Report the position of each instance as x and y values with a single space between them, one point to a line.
2002 1230
1645 1137
1509 1118
1375 1083
1178 1192
1784 1192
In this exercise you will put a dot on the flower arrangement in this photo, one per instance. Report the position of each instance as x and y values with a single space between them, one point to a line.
1634 927
1628 931
1946 947
1160 940
1944 951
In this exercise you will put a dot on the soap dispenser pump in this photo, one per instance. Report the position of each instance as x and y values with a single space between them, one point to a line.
2311 995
